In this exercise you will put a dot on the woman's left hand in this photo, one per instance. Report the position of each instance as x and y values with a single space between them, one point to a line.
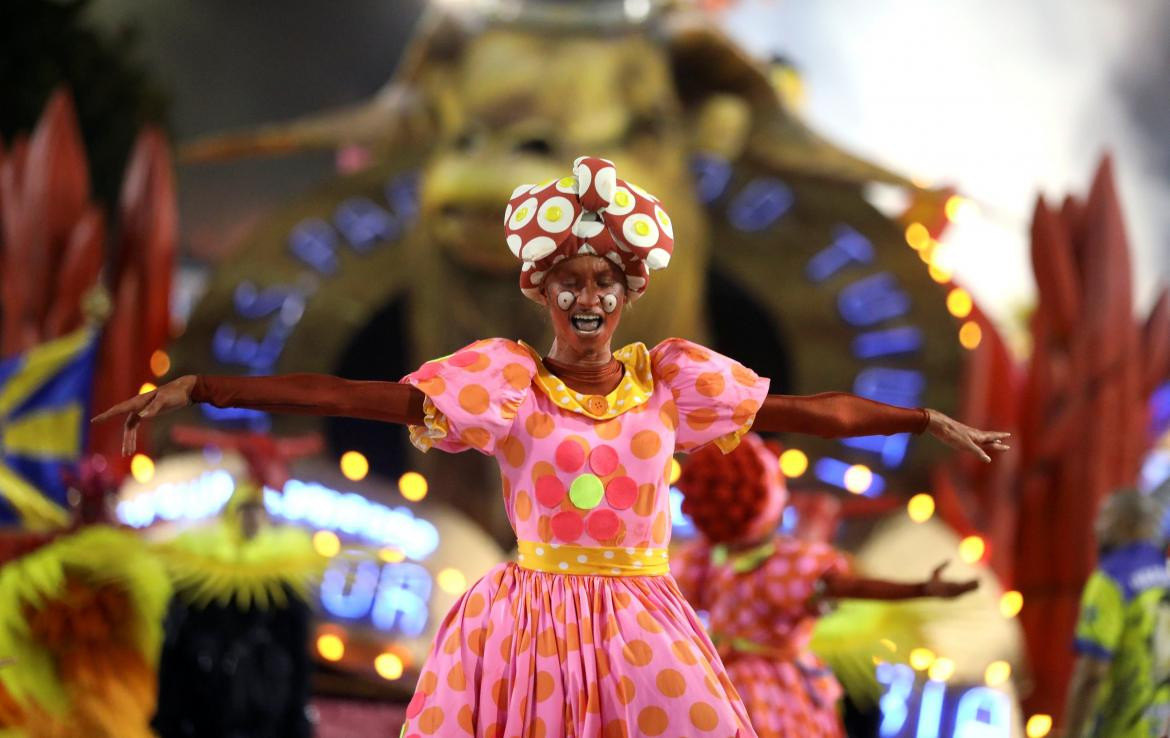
965 438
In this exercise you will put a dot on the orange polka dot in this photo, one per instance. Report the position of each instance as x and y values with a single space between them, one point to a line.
474 605
495 730
517 349
701 418
713 688
430 719
608 430
602 664
637 653
542 469
572 639
476 437
523 505
546 643
559 613
427 683
671 683
659 529
506 648
500 693
703 716
682 651
483 361
544 686
432 387
525 642
476 640
696 353
668 414
653 721
621 600
647 497
615 729
668 372
544 528
648 623
539 425
611 627
645 444
465 719
455 678
743 375
592 701
474 399
537 729
517 375
451 645
513 450
625 690
744 412
710 384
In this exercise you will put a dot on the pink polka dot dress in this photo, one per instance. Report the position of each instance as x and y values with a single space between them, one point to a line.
760 620
586 633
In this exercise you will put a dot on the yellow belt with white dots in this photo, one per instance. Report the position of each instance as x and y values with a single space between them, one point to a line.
604 561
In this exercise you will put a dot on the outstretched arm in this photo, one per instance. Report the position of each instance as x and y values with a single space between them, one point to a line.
304 394
845 586
841 415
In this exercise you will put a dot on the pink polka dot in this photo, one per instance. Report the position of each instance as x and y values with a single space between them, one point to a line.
568 525
464 358
570 456
427 370
603 460
416 705
550 491
806 565
621 492
602 524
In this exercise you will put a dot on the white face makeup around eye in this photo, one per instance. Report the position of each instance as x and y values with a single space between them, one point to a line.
609 303
566 300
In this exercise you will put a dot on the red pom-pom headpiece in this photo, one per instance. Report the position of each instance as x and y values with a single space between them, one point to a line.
734 497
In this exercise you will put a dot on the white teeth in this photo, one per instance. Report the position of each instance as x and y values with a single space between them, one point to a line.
587 322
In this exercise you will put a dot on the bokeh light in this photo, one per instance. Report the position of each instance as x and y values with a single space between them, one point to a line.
388 665
326 543
412 486
921 658
942 669
858 478
391 555
917 236
160 363
793 463
330 646
997 673
451 581
1010 604
920 508
1038 726
970 335
147 387
675 470
354 466
142 468
971 549
959 303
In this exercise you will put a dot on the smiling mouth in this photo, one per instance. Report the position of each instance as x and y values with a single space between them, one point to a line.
587 324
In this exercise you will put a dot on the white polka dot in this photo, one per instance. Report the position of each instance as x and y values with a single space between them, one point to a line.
520 557
563 565
584 176
554 546
641 231
665 555
657 259
609 554
586 249
555 214
507 213
542 186
623 202
664 221
635 283
637 563
523 214
514 244
582 559
616 571
538 248
539 551
631 551
587 226
565 400
567 185
537 277
619 403
614 256
605 183
520 191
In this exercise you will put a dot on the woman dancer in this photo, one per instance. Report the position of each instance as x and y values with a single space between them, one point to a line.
763 591
585 634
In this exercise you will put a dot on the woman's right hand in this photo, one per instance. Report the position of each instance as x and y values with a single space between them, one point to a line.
173 395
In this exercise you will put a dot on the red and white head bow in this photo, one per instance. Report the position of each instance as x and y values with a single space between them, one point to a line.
589 212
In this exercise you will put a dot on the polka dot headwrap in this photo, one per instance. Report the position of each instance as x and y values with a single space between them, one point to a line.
734 497
589 212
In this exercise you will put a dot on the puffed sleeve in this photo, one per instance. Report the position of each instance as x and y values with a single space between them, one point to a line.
472 396
715 398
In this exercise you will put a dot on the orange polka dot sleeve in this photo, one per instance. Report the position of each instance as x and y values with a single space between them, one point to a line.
716 398
472 396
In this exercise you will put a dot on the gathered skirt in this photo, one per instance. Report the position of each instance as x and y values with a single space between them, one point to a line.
786 699
532 654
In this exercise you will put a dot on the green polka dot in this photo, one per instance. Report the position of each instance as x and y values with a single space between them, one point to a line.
586 491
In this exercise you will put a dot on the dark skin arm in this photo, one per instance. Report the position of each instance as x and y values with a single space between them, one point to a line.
1088 675
845 586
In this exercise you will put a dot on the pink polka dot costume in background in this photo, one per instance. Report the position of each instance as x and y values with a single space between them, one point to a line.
528 651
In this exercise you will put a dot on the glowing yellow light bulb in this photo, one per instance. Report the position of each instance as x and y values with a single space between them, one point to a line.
354 466
920 508
326 543
970 335
793 463
959 303
971 549
917 236
388 665
391 555
675 470
921 658
451 581
997 673
330 646
146 387
412 486
160 363
939 273
942 669
142 468
1038 726
1010 604
858 478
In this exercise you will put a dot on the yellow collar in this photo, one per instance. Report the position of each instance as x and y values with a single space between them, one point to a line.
635 388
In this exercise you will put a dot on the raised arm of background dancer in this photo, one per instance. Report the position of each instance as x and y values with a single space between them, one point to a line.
847 586
1089 673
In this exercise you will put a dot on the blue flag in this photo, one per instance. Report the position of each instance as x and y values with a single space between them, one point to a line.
44 406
